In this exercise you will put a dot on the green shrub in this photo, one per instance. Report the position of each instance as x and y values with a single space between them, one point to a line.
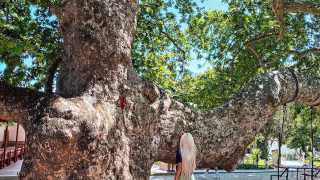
253 166
256 155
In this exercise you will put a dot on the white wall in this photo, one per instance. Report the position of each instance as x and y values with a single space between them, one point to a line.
2 133
284 148
12 133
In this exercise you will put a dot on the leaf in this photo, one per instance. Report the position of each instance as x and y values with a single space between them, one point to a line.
8 26
8 44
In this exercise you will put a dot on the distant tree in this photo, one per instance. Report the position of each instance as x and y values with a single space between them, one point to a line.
298 130
263 145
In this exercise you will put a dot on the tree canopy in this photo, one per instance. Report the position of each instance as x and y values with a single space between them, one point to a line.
238 44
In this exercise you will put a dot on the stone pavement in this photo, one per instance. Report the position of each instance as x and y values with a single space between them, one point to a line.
11 172
227 176
238 175
262 174
291 163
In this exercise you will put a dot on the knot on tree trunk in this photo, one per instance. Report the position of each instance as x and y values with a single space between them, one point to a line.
151 91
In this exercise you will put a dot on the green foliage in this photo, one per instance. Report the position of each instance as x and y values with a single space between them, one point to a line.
255 166
9 124
161 49
317 163
204 91
248 166
298 129
256 155
27 33
264 149
171 33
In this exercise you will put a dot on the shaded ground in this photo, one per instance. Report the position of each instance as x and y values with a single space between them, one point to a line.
11 172
243 176
226 176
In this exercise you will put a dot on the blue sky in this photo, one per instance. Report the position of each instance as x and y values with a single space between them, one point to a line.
214 5
2 66
193 65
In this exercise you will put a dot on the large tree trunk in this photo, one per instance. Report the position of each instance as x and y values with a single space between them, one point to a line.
83 133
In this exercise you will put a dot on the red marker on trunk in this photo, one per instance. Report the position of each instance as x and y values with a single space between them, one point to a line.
123 102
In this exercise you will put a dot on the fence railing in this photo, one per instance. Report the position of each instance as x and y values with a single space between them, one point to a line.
297 174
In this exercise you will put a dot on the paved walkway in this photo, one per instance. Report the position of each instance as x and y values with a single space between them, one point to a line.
11 172
226 176
262 174
237 174
291 163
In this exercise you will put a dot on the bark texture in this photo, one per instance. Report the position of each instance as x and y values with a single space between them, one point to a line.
83 133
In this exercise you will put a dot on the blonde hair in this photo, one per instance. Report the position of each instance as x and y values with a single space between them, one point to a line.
188 153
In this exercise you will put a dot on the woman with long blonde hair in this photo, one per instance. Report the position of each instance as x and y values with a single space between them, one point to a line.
186 158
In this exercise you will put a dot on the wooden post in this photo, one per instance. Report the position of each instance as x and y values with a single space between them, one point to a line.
312 143
5 144
15 149
24 145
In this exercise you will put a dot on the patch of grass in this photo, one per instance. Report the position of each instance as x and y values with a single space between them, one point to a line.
253 166
261 162
250 164
317 163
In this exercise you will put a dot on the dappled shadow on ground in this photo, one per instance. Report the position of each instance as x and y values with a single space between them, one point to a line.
225 176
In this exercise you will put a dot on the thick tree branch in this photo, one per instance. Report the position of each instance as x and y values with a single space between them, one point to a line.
255 52
298 54
50 75
302 6
275 59
301 54
249 43
260 38
21 105
280 7
312 66
222 134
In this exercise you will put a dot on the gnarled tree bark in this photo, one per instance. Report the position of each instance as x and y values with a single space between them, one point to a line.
82 133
